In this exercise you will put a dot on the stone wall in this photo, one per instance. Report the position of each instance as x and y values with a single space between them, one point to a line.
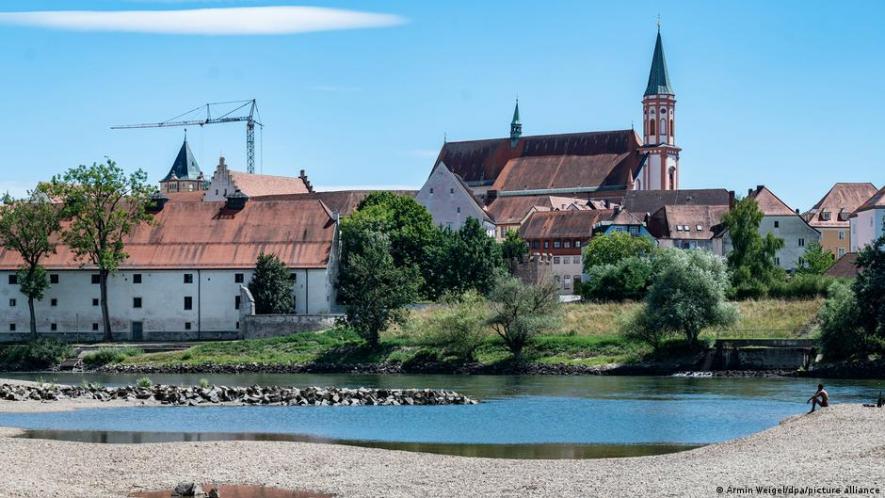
534 269
260 326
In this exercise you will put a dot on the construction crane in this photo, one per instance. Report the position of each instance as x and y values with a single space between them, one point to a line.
243 110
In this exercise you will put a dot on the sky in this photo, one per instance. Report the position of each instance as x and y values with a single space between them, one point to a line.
362 93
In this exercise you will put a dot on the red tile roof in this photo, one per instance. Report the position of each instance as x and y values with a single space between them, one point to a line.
511 210
195 234
877 201
641 202
567 172
770 204
255 185
343 202
686 221
563 224
837 205
480 162
844 267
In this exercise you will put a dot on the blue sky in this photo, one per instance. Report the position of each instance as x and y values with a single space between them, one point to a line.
787 94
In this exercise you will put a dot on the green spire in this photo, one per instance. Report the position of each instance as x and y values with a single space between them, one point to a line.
515 125
658 78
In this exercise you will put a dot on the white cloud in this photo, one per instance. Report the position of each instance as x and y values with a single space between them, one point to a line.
210 21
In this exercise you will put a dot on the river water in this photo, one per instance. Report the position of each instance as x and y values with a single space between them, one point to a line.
520 416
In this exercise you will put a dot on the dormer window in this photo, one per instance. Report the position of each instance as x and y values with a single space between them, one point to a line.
825 216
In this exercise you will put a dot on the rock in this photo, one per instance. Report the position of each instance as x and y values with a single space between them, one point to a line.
188 489
213 493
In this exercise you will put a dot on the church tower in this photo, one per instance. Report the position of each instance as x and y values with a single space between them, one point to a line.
515 126
659 126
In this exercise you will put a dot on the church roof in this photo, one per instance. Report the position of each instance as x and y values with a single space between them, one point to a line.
185 166
658 77
480 162
837 205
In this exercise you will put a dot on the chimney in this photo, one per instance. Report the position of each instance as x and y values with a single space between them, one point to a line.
491 195
731 199
157 202
236 201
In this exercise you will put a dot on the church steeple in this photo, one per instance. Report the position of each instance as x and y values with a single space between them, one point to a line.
659 126
185 174
658 77
515 125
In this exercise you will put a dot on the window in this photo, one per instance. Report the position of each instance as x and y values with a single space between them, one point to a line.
577 260
777 260
293 277
136 278
700 228
53 327
557 244
53 302
96 278
841 252
801 242
567 244
556 260
431 190
236 302
663 126
651 126
95 301
188 278
567 282
536 244
451 190
136 302
777 224
188 303
187 325
94 326
577 243
841 234
458 209
546 244
238 325
238 278
53 278
12 327
13 279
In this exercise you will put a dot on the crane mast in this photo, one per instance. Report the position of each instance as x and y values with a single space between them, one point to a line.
243 110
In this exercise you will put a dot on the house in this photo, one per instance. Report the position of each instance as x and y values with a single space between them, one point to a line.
185 174
509 213
868 221
830 216
786 224
689 226
844 267
450 202
598 165
646 202
226 181
562 235
623 221
182 278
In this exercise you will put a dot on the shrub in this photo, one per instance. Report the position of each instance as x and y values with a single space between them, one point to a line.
629 278
869 289
104 356
38 354
144 383
841 334
204 383
612 248
271 286
460 327
520 311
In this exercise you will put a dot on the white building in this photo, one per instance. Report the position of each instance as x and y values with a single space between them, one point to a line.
183 274
226 181
868 221
450 202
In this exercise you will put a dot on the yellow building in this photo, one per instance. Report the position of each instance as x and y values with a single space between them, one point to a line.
830 215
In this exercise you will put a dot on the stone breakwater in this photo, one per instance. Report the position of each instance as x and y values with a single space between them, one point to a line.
254 395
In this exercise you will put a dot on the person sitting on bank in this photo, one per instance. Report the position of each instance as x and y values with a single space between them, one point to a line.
821 397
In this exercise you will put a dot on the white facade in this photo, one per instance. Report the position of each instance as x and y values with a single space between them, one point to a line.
449 202
796 234
221 184
866 227
165 304
565 269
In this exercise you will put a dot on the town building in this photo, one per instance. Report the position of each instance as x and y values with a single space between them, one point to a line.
185 174
182 278
868 221
509 213
830 216
784 223
689 226
226 181
600 165
450 202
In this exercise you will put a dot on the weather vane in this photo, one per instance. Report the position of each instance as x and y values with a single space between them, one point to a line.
659 21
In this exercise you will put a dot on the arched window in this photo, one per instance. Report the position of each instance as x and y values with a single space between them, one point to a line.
672 178
672 131
651 126
663 126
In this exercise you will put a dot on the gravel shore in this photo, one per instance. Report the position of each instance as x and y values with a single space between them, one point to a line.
837 447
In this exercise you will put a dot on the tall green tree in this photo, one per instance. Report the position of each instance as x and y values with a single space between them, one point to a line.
520 312
869 287
271 286
375 290
513 248
816 260
104 206
751 259
28 227
614 247
465 259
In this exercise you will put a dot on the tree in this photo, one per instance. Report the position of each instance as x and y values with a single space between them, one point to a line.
816 260
686 295
104 207
28 227
460 326
520 311
612 248
375 289
841 334
869 288
271 286
629 278
463 260
513 248
751 259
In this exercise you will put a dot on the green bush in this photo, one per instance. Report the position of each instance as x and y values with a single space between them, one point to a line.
34 355
144 383
103 356
628 279
459 329
801 286
841 334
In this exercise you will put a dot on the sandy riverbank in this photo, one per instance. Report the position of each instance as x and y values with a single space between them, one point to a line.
836 447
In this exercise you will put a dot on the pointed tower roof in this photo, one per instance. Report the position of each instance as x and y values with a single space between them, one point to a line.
185 166
516 114
658 77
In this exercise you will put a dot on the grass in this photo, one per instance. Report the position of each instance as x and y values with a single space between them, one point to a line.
587 335
103 356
